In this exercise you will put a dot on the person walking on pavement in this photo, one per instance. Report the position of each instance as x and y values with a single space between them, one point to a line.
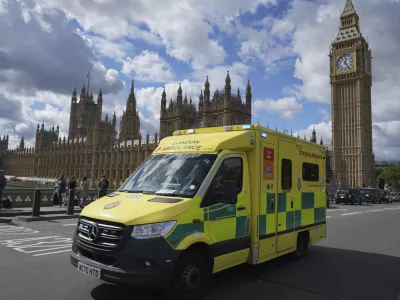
3 183
84 191
62 188
102 187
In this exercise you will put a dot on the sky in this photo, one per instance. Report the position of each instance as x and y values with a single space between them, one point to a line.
282 47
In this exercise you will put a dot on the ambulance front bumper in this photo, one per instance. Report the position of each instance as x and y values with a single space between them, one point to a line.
141 263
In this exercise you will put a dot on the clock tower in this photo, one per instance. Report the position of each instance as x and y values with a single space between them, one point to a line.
351 81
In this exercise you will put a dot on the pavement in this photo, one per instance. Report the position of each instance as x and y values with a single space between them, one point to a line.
360 259
27 211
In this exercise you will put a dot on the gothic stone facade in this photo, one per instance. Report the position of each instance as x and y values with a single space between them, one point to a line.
220 110
351 81
94 148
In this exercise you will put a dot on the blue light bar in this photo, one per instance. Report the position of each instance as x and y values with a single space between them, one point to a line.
246 126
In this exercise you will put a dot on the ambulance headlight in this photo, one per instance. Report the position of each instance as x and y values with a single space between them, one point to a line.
149 231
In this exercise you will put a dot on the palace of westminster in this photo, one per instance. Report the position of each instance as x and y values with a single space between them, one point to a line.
94 147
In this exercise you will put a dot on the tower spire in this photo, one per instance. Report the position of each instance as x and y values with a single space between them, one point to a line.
88 80
348 9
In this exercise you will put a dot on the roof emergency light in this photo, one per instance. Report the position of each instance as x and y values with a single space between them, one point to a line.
190 131
228 128
245 127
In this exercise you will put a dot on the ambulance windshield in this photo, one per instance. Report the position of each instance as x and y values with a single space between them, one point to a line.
170 175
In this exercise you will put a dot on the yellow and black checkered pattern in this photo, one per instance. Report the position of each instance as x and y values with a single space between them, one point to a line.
294 211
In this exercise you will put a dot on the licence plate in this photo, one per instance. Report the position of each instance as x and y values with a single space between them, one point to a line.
342 197
88 270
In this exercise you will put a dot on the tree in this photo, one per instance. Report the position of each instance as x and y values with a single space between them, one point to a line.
391 174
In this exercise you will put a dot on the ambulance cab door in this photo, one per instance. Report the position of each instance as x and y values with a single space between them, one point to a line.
229 224
286 196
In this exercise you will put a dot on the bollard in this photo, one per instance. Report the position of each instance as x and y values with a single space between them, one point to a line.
36 204
70 208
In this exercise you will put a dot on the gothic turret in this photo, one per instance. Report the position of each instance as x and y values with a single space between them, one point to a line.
163 103
313 138
248 94
179 98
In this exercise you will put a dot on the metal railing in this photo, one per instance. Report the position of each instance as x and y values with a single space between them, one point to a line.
24 197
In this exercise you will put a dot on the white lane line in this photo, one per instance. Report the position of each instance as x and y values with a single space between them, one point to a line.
353 213
328 217
70 224
339 209
49 249
5 242
48 253
375 210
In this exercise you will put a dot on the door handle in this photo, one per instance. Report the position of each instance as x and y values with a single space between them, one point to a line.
273 205
241 208
291 204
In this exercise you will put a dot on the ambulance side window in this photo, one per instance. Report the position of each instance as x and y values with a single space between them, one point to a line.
286 180
310 172
230 169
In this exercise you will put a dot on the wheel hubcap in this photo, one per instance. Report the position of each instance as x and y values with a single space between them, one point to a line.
191 277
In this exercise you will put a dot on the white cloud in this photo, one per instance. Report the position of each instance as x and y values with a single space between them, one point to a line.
385 137
238 73
3 7
116 49
267 44
182 26
323 130
148 66
285 107
326 115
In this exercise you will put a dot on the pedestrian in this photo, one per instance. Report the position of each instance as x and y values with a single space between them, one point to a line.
56 201
84 191
62 188
3 183
106 181
102 187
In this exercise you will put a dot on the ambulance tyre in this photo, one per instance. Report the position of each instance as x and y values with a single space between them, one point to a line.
301 245
190 276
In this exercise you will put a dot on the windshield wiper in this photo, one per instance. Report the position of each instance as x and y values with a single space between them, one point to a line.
166 194
137 191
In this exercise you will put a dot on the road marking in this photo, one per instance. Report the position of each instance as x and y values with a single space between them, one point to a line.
70 224
339 209
46 244
353 213
375 210
69 250
328 217
12 230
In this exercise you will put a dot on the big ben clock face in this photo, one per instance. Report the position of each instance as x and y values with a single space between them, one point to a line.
345 63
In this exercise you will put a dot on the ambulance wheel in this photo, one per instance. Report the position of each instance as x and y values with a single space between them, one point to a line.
301 245
190 277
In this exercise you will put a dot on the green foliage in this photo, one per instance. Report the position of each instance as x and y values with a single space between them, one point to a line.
391 174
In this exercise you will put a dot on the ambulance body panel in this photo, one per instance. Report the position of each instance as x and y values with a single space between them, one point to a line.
243 194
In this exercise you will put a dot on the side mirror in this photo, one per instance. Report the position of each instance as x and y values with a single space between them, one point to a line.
230 195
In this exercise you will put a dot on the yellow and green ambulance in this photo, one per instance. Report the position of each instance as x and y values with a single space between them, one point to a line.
206 200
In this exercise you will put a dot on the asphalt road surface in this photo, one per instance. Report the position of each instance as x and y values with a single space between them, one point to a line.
360 259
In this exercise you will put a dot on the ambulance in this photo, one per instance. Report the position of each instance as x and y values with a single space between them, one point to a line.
206 200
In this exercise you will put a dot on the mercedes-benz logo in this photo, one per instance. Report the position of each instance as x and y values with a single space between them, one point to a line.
93 231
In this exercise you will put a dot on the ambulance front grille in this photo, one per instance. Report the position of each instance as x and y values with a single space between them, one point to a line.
99 235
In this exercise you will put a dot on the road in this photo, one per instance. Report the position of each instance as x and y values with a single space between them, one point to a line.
360 259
